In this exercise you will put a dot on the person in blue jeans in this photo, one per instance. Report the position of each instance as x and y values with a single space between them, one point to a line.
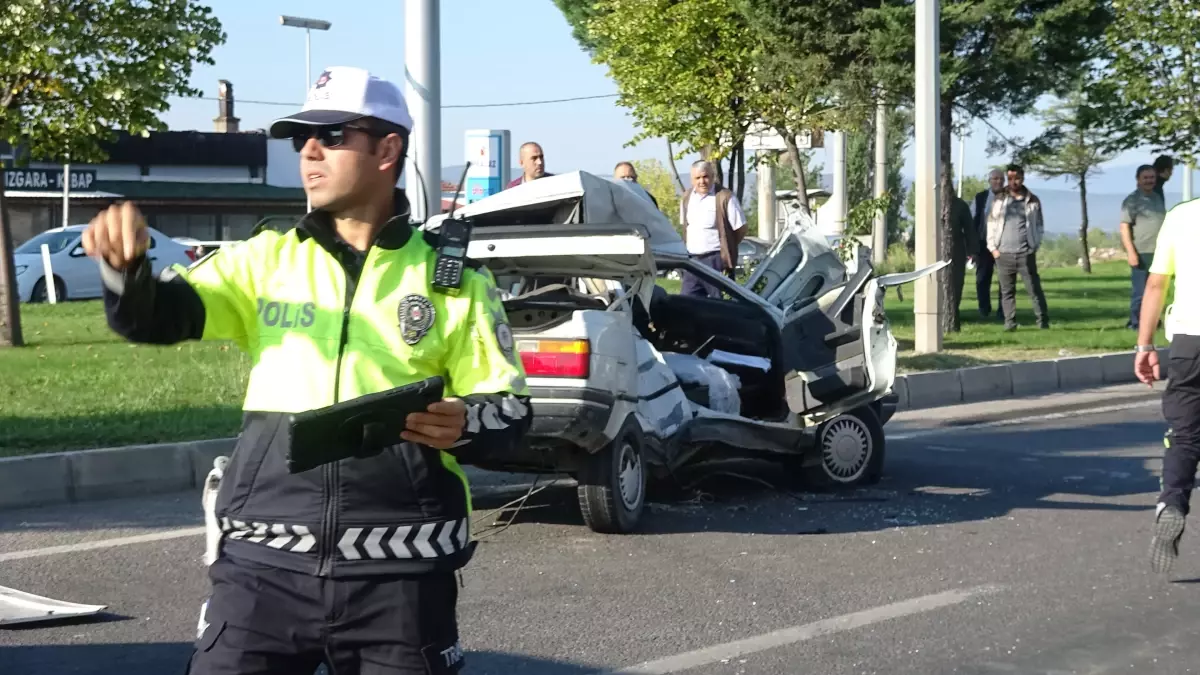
714 225
1142 215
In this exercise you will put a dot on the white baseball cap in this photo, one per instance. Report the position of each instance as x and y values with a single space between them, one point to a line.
344 94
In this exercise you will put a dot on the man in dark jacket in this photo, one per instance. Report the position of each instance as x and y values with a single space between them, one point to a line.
985 263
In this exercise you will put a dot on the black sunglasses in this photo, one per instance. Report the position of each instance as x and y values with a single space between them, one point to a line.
329 135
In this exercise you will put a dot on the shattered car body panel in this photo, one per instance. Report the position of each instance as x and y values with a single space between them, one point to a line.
19 607
755 371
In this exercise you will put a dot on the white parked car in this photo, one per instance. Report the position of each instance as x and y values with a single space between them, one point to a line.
627 379
77 276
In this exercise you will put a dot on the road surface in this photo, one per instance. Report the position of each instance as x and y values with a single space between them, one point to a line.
1002 548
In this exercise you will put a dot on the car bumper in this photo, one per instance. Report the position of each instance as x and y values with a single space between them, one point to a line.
25 284
578 415
568 425
887 406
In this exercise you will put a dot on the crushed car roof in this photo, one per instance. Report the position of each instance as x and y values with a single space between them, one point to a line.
576 197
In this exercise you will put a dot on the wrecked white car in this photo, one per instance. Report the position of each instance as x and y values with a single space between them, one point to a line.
628 380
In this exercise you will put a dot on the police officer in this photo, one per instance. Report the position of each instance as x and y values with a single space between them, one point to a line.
1178 240
352 563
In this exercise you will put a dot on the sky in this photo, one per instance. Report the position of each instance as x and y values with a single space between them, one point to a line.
492 52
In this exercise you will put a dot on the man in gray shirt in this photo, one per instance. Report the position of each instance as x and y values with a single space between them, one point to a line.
1142 215
1014 234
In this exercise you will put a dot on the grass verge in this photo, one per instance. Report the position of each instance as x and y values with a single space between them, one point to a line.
77 385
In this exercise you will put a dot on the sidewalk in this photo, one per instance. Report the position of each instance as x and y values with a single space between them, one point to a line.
88 475
983 412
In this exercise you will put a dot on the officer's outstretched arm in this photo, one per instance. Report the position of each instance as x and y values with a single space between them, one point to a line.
211 300
485 371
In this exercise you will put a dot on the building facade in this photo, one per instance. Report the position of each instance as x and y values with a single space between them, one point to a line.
209 186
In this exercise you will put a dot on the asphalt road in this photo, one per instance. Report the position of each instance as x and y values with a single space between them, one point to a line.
1012 548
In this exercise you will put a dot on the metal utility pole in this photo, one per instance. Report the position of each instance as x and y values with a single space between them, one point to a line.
423 91
66 194
879 232
766 197
838 156
962 158
1187 181
309 25
927 301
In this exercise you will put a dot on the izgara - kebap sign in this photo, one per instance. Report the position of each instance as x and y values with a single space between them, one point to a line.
50 180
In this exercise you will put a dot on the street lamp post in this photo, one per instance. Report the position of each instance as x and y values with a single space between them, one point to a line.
927 292
309 25
423 92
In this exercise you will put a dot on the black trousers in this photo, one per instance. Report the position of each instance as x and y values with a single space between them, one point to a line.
1181 409
266 621
985 265
1008 266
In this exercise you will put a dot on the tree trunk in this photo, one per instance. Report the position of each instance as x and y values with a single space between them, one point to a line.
798 169
739 156
674 169
951 243
10 310
1083 226
706 153
732 172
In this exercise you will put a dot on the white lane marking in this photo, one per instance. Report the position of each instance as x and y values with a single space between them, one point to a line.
1023 420
944 448
307 539
103 543
787 636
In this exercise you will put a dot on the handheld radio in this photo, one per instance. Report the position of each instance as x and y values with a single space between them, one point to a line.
454 235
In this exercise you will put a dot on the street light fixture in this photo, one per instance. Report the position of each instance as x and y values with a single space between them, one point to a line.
309 25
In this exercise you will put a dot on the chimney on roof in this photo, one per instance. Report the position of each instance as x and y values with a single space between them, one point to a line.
226 123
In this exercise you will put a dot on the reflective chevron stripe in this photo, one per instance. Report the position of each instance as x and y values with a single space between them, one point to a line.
423 541
295 538
494 415
405 542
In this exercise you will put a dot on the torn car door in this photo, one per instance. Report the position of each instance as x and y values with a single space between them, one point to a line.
839 349
799 265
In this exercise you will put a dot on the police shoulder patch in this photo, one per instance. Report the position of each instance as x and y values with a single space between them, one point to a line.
504 338
416 314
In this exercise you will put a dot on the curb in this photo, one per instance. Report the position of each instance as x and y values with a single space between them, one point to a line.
138 470
937 388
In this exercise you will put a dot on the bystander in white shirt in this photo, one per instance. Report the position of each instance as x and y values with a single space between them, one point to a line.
702 235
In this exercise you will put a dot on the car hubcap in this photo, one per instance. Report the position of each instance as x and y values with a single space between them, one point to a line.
630 476
845 448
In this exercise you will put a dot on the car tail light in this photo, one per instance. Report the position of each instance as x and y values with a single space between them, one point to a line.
555 358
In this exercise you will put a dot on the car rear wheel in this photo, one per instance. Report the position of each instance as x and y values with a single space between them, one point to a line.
39 291
612 484
851 450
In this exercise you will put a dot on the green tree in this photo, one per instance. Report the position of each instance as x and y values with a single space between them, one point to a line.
700 72
900 128
1150 91
785 177
658 181
809 74
74 71
997 57
860 167
1071 146
973 185
681 66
